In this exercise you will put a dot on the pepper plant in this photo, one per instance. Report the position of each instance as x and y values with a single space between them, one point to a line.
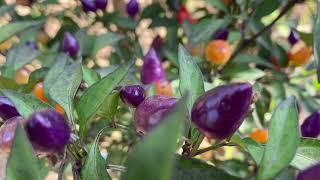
160 89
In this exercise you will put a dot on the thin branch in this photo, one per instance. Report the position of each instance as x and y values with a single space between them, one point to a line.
117 167
213 147
243 44
62 166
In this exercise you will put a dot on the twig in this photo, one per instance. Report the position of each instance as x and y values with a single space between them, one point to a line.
213 147
62 166
117 167
246 42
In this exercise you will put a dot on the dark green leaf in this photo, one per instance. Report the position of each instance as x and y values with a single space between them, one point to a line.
5 8
153 158
219 4
283 140
22 151
248 58
191 78
109 107
92 99
54 73
65 87
90 76
242 71
6 83
16 27
95 167
26 104
265 8
18 57
194 169
308 153
152 11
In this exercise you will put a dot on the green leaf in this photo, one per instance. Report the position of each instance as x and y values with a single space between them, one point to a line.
153 158
6 83
54 73
283 140
152 11
242 71
265 8
248 58
204 30
90 76
26 104
316 39
92 99
5 8
65 87
110 106
22 151
16 27
219 4
193 169
308 154
191 78
17 57
95 167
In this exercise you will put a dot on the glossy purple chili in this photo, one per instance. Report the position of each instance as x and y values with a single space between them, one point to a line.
311 173
101 4
70 44
311 126
152 111
89 5
222 34
220 112
293 37
48 130
132 8
132 95
152 69
7 108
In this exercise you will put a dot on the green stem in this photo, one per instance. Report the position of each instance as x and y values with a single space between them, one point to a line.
213 147
196 145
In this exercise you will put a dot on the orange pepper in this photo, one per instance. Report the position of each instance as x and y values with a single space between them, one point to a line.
39 92
260 135
59 109
218 52
163 88
300 57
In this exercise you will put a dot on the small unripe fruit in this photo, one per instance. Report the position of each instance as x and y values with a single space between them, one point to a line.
219 112
38 92
152 111
101 4
218 52
260 135
70 44
293 37
132 95
311 126
163 88
7 109
89 5
311 173
221 34
132 8
152 70
22 76
7 133
301 57
48 131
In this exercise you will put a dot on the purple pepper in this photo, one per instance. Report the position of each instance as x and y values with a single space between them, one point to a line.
311 173
311 126
152 70
293 37
32 45
132 8
157 43
101 4
152 111
221 34
89 5
48 131
132 95
7 133
70 44
219 112
7 109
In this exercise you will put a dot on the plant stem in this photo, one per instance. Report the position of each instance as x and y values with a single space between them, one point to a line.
213 147
244 43
62 166
196 145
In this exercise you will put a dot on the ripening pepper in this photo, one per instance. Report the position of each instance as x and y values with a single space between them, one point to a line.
132 95
152 70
